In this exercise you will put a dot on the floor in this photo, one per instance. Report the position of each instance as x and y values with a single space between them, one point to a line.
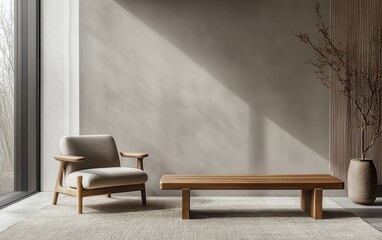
371 214
19 211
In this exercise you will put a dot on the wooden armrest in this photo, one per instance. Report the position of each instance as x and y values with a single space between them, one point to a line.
134 155
69 158
138 156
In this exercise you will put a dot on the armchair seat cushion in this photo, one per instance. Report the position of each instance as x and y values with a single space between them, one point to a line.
107 177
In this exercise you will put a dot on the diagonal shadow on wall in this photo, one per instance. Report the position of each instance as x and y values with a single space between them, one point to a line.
249 48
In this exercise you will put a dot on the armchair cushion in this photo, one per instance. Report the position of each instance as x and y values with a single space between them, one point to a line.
99 151
106 177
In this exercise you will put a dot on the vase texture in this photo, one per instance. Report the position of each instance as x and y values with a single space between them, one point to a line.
362 181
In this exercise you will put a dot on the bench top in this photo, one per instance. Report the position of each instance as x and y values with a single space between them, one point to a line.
241 182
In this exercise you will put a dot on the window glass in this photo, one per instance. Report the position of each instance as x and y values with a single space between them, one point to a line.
7 65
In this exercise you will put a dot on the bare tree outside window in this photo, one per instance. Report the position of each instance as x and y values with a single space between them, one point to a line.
6 96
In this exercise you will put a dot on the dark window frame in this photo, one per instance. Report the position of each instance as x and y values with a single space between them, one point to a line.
27 101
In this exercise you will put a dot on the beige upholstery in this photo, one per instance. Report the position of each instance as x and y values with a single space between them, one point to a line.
90 165
99 151
107 177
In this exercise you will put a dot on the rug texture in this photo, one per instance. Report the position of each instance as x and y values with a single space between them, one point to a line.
122 217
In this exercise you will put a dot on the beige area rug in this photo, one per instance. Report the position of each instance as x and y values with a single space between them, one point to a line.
122 217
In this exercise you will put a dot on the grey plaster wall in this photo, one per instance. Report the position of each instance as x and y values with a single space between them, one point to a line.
214 87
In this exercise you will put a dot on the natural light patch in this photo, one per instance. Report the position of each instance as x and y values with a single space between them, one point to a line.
158 95
286 154
151 96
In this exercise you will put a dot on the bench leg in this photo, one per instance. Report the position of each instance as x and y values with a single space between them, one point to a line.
185 203
311 202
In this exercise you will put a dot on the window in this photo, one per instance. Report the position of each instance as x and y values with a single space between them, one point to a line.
7 86
19 98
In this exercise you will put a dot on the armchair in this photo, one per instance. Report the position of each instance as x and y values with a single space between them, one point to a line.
90 165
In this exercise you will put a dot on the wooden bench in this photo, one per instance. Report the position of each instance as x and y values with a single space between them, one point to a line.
311 186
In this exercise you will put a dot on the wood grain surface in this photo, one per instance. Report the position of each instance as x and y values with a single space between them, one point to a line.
237 182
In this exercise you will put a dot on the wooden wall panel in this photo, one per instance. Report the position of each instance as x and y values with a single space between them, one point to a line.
353 22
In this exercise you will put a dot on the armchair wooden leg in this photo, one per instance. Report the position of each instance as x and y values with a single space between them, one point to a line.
143 195
109 195
60 174
79 195
55 198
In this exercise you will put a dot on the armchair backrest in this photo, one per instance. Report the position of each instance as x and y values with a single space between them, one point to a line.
99 151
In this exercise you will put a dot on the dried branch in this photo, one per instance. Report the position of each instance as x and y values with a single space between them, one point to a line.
360 84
